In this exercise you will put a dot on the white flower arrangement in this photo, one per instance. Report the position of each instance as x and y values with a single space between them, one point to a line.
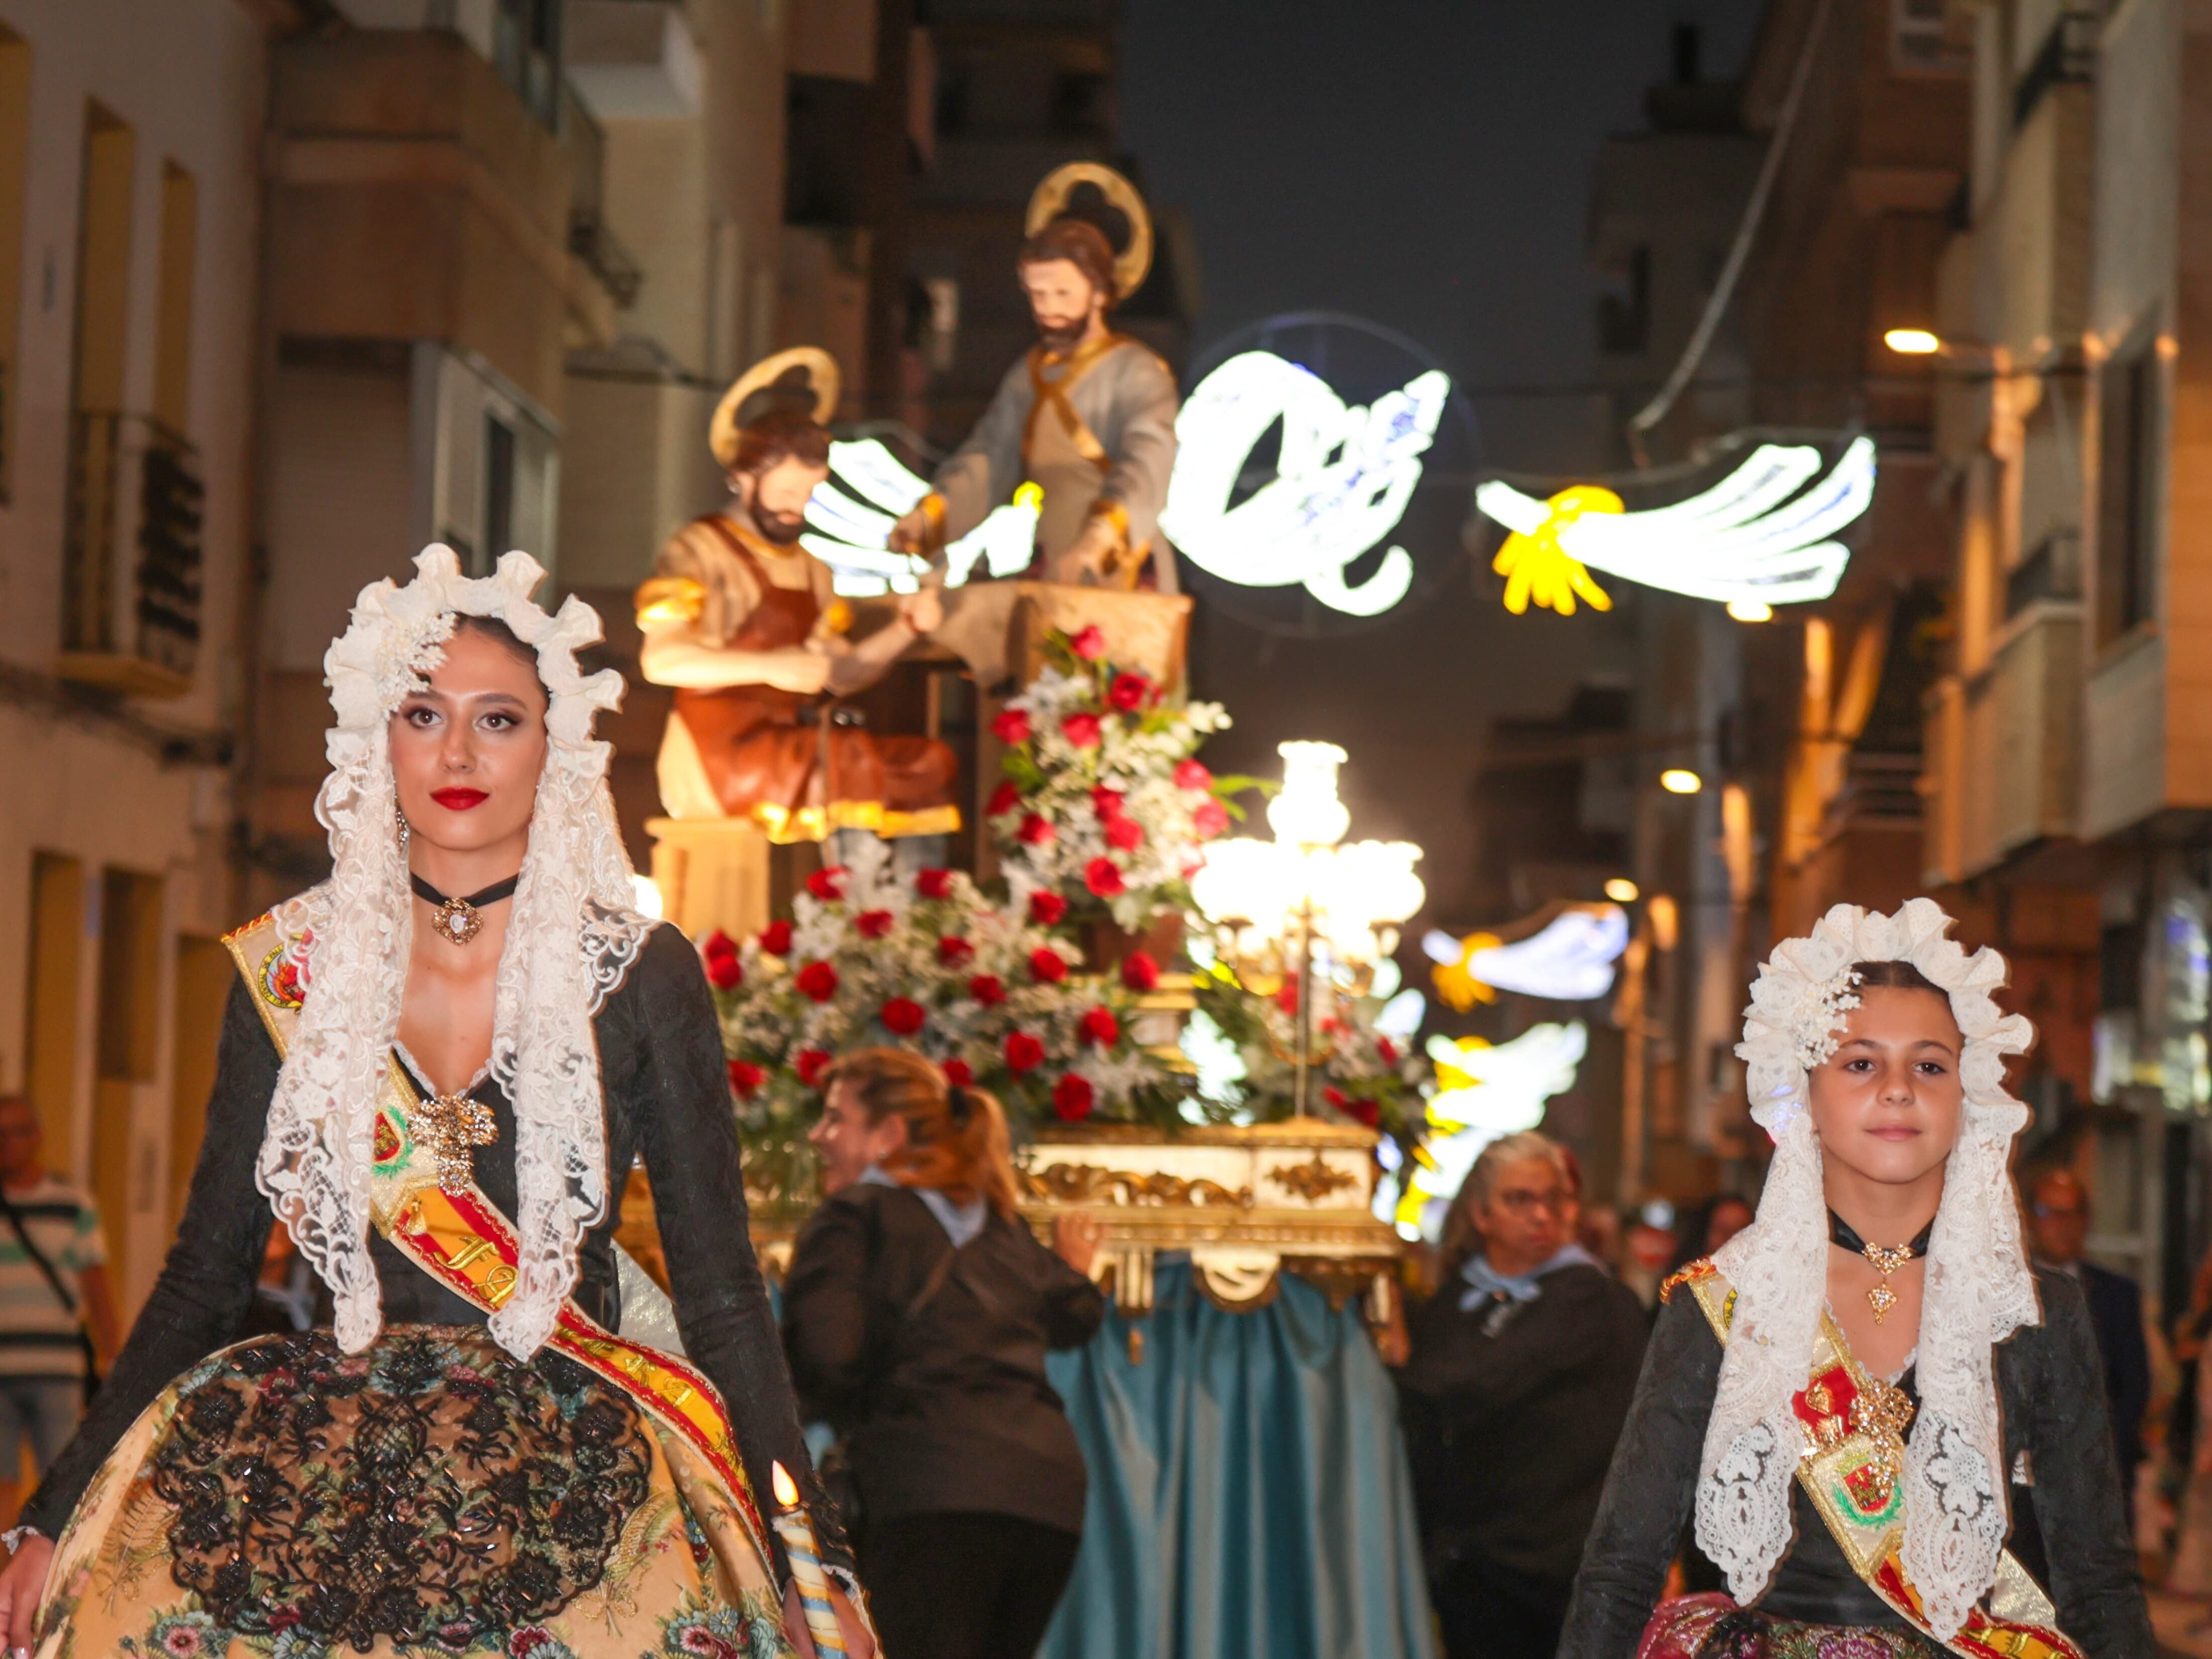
1104 799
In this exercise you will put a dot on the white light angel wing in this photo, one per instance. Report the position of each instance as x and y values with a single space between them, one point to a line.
1512 1083
853 537
1571 959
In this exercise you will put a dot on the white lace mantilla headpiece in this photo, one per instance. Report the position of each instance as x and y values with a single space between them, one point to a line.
1978 1289
315 1157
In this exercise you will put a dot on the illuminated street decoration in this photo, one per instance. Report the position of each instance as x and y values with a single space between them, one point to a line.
1341 483
853 535
1569 959
1764 534
1484 1092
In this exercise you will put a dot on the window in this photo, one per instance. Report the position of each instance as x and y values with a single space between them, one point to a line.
1925 40
1624 313
173 343
127 1045
15 147
526 52
2130 434
499 490
103 308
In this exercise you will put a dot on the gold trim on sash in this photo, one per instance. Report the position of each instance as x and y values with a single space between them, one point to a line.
1073 368
1851 1467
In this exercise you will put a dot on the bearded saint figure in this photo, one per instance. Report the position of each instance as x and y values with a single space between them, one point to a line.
744 622
1088 415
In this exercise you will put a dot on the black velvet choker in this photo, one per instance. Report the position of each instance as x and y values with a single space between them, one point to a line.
457 921
1886 1259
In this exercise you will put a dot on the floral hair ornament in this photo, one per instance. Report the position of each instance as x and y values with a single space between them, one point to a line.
351 936
1977 1289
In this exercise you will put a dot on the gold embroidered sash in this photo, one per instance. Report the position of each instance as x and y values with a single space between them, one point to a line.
463 1241
1852 1468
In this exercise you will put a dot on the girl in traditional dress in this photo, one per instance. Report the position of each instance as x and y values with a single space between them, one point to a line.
439 1092
1858 1397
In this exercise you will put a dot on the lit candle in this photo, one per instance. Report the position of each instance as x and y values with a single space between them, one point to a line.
797 1532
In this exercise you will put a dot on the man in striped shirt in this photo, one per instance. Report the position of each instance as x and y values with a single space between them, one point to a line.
42 1361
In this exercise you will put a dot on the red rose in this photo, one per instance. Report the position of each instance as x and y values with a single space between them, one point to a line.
901 1016
952 950
1103 878
775 939
811 1064
1287 998
1126 835
1193 775
873 924
1024 1053
1090 644
725 973
1387 1049
1107 803
958 1073
1139 972
827 883
1011 726
1036 830
1129 692
1047 908
1004 800
1211 819
744 1077
934 884
1047 966
1073 1098
719 944
818 981
1099 1026
987 990
1364 1111
1081 730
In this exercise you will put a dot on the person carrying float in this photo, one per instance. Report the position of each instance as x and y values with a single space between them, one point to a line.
435 1067
1889 1432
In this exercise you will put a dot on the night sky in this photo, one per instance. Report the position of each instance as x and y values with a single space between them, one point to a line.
1423 164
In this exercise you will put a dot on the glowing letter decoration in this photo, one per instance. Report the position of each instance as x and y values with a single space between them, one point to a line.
1763 533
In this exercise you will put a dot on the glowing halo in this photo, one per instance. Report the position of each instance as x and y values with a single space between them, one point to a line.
1766 533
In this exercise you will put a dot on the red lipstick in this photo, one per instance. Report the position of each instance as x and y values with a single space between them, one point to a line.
459 801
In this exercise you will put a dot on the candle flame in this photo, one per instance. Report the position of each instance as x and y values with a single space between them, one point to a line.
787 1489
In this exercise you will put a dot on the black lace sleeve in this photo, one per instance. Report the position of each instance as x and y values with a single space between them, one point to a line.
2094 1579
685 1127
207 1284
1648 1490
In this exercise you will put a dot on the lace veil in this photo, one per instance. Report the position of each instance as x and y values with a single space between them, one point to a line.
357 926
1978 1288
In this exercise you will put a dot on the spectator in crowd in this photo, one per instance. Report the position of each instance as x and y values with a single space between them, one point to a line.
57 1311
2057 1230
1521 1369
918 1310
1700 1229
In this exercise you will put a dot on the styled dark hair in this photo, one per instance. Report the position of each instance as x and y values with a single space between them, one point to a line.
778 433
955 1137
1079 242
495 629
1894 976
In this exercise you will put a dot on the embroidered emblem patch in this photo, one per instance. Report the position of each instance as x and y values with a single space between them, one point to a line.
388 1145
282 984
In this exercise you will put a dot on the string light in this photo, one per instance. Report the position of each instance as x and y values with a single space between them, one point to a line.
1621 890
1912 342
1343 478
1751 610
1765 533
1681 781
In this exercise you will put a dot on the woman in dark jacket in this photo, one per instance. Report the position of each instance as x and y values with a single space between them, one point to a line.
1521 1369
917 1314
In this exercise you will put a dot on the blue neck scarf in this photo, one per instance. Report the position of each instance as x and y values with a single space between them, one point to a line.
961 1222
1485 1282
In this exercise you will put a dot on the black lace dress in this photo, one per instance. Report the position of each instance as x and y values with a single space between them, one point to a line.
433 1491
2070 1525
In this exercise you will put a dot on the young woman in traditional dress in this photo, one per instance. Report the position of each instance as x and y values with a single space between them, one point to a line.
1858 1397
439 1093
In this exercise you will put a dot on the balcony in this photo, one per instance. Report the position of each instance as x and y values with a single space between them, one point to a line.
2004 746
130 556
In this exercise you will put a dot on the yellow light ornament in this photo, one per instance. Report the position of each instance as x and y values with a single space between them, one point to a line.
1454 984
1537 568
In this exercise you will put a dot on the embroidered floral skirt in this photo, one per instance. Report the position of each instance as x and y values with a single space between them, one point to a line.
432 1496
1712 1626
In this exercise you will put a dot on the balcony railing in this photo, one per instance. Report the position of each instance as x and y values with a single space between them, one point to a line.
130 617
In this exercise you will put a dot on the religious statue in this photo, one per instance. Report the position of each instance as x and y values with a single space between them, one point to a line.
1088 415
743 622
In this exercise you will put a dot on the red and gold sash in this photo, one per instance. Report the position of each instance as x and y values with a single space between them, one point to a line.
463 1241
1852 1467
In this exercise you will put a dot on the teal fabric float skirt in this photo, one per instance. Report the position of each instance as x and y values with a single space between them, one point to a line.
1248 1492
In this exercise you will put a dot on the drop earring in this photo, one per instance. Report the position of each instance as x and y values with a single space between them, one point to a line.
406 829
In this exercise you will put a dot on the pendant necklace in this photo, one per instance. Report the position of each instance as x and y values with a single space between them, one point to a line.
1886 1259
456 920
